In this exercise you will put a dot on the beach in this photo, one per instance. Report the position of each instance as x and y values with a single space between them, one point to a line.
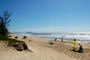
44 29
41 50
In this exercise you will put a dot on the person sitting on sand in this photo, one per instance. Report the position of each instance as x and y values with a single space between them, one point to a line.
75 45
80 48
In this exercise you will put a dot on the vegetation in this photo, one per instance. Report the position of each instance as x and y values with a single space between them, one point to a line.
19 45
6 39
4 23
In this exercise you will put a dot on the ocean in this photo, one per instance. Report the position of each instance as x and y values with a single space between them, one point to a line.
82 37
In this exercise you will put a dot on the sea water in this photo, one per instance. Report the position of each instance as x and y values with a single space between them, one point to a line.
65 36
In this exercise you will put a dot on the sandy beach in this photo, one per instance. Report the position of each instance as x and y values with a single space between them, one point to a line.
41 50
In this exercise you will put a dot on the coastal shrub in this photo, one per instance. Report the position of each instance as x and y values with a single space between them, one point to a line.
3 37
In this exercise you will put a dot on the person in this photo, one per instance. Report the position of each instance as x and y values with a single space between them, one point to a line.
55 39
61 39
80 48
75 45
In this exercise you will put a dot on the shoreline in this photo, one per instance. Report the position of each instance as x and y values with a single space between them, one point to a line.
53 38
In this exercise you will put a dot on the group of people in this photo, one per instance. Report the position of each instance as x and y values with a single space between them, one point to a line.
76 45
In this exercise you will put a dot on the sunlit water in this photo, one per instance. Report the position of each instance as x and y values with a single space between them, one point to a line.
52 36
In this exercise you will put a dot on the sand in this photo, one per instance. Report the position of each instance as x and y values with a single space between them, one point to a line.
42 51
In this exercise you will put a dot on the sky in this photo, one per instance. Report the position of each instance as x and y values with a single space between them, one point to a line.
48 15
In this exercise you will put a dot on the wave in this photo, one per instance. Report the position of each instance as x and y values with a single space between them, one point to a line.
65 36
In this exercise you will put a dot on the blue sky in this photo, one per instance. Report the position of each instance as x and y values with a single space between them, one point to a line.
48 15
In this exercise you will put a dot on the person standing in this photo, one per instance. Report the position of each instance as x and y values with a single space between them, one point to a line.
61 39
55 39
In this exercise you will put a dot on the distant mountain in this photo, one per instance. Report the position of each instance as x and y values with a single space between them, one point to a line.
16 32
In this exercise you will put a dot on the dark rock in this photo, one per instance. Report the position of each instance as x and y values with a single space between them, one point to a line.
10 36
16 37
25 46
19 46
50 42
24 37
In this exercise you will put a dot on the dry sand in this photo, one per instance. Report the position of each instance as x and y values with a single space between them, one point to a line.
43 51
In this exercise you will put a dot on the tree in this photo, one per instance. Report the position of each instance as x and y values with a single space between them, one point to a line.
4 23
